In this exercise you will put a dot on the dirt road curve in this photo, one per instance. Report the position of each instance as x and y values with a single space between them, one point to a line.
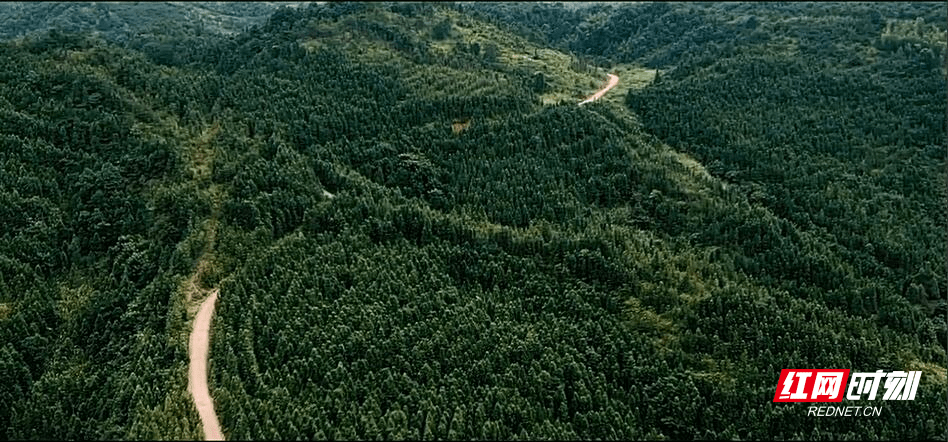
197 371
613 80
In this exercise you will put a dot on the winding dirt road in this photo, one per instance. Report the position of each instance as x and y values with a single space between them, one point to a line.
197 371
613 80
199 342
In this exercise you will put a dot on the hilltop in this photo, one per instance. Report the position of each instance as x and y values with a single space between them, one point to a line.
121 21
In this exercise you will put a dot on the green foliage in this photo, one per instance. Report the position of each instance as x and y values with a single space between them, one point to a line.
91 222
785 130
409 245
441 30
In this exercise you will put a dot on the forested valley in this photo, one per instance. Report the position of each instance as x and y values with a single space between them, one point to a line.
416 233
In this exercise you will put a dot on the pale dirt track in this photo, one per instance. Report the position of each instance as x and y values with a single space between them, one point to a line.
613 80
199 341
197 371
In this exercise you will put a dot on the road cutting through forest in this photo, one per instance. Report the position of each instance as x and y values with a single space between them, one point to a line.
197 371
199 342
613 80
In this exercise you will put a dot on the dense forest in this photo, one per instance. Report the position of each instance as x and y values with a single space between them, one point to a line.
412 240
121 22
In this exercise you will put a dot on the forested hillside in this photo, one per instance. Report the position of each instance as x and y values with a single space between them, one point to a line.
416 233
96 207
845 141
122 21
